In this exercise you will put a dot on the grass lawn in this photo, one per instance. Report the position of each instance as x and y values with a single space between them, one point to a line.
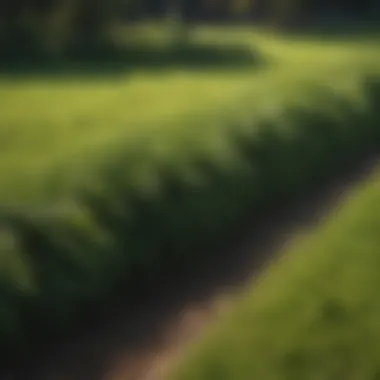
314 315
54 131
157 162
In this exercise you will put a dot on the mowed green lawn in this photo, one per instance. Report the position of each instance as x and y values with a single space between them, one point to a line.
54 131
314 315
45 123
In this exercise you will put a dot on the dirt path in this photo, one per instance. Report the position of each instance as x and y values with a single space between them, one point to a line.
140 343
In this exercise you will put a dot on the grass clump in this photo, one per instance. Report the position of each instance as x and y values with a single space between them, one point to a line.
314 314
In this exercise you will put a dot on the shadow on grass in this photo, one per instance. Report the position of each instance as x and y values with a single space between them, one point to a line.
368 31
111 62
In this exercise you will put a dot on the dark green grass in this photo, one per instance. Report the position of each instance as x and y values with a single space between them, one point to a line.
315 314
93 201
117 232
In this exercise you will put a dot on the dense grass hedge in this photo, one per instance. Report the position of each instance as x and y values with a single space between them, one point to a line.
313 315
55 264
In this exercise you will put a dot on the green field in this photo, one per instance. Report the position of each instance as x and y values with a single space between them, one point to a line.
54 131
315 314
159 163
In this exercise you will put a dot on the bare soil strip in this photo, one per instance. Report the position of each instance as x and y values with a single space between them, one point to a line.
139 341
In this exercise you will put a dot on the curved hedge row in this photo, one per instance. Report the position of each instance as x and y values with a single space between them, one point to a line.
55 264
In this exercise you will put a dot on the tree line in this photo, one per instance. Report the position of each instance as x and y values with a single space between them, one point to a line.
29 24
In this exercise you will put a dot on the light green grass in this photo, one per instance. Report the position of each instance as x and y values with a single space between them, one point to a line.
52 131
44 124
315 315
